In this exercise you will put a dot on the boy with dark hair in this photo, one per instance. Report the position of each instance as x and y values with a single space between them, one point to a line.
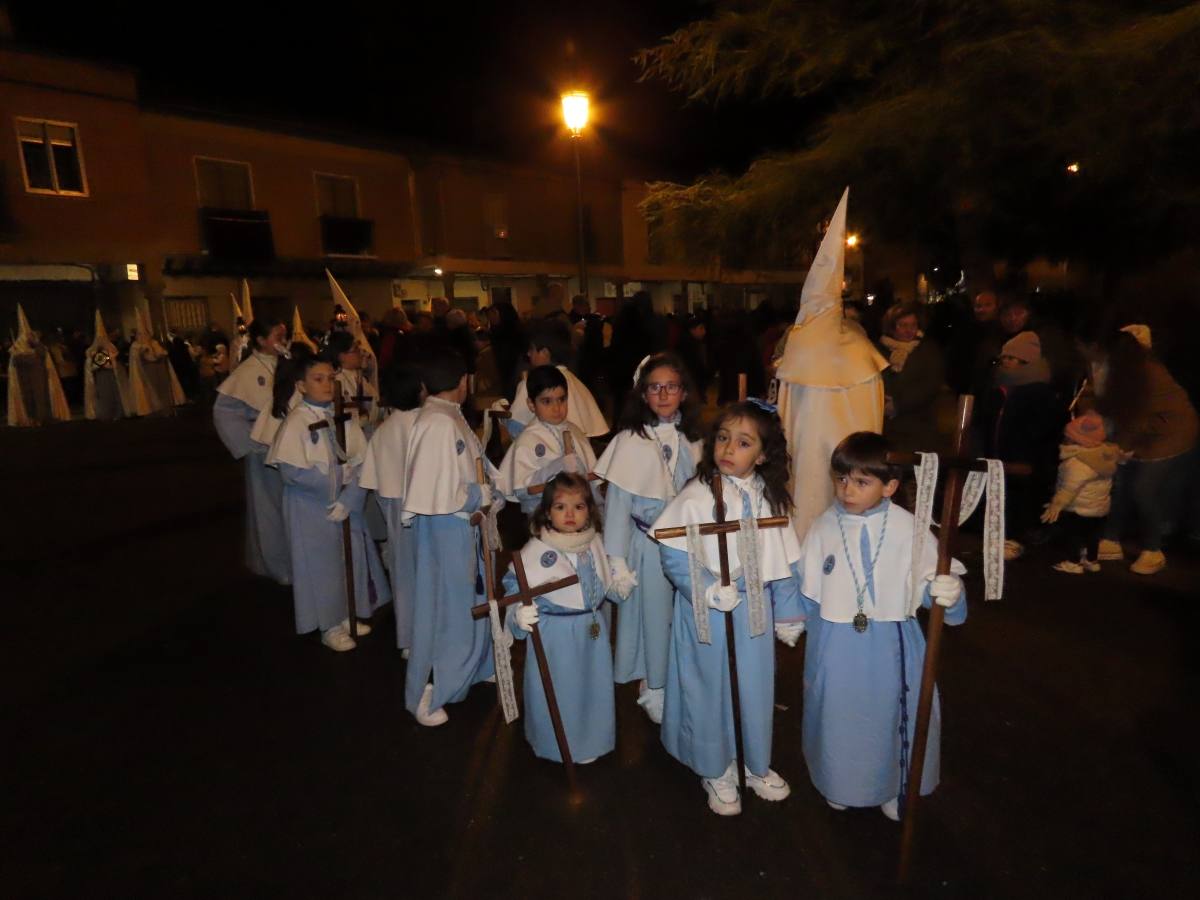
551 346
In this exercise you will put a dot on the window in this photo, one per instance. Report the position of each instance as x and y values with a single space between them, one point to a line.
224 184
51 158
337 196
186 314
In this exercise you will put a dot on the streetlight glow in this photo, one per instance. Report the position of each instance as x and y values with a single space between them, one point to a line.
1073 168
852 240
575 111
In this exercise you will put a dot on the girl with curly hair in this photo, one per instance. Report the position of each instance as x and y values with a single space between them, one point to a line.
747 447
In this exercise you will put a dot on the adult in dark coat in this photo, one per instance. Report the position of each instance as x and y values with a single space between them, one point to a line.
913 381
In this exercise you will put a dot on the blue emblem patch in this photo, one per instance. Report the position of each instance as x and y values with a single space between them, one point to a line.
313 436
459 446
667 453
549 558
828 566
262 380
540 450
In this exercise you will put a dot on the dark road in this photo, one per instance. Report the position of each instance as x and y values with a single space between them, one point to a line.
168 735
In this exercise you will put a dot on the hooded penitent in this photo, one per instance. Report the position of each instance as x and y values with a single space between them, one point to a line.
35 394
153 386
829 377
354 323
299 335
105 381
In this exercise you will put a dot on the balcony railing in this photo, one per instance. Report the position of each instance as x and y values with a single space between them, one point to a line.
239 234
347 237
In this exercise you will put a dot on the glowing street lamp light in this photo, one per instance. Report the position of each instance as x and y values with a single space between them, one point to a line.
852 240
575 115
1073 168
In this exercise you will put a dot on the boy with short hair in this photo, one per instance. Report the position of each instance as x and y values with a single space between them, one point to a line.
863 663
551 346
540 450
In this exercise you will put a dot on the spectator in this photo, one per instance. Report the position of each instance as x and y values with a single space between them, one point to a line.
694 353
912 382
972 350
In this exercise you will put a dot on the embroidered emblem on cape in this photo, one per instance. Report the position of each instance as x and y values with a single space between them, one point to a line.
828 566
539 450
262 380
667 453
459 446
549 558
313 436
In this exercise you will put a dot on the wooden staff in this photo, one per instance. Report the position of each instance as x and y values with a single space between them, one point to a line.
741 387
339 422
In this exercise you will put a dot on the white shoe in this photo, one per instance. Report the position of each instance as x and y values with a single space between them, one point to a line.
427 717
584 762
1109 550
405 653
338 639
1071 568
360 625
652 702
836 806
1149 562
1013 550
891 809
722 793
1089 566
768 787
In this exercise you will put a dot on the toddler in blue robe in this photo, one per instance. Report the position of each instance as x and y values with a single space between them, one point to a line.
862 666
748 448
648 461
565 542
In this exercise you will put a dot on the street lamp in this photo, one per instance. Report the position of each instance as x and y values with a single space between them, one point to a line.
575 115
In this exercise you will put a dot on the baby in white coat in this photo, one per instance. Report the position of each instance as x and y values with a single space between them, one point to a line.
1084 492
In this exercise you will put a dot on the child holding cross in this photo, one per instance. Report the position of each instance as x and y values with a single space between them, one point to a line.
566 541
747 450
351 378
320 490
863 662
540 451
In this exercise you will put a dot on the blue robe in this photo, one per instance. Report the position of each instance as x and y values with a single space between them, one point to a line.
401 550
318 569
697 726
853 687
581 669
267 551
644 622
446 642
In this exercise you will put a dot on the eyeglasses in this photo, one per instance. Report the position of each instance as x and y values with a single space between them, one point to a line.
670 388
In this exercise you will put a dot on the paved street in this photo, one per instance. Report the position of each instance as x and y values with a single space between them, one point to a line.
167 735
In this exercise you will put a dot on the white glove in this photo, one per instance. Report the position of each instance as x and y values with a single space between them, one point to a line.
723 597
945 590
571 463
526 616
789 632
337 511
500 405
623 580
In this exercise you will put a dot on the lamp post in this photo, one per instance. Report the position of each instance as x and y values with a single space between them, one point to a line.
575 115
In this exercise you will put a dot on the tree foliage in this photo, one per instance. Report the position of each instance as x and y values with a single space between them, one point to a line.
953 121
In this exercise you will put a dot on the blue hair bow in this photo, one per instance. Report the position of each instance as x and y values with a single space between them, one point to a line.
764 405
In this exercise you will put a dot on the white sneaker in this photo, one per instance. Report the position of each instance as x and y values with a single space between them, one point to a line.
769 787
405 653
1149 562
891 809
652 702
427 717
1109 550
722 793
1089 566
361 625
1013 550
1071 568
836 806
584 762
338 639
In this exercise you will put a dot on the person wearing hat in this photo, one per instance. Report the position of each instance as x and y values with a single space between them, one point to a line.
1020 420
1083 494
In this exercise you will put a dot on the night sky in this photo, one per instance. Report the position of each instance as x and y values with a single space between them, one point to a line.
457 77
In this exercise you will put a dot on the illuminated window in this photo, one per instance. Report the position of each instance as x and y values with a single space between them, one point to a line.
51 158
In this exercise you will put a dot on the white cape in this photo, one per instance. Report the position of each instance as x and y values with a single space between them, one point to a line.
535 448
637 464
385 470
442 450
253 382
298 446
544 563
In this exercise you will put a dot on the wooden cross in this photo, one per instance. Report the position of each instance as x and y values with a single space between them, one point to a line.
568 449
359 401
722 529
339 423
742 391
957 463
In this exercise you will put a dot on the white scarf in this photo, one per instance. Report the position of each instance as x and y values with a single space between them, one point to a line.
900 350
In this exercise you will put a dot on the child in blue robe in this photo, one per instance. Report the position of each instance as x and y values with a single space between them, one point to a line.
565 542
862 667
241 399
550 345
650 458
747 447
384 471
539 451
450 651
320 491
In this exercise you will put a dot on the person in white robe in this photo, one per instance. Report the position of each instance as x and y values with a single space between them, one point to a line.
35 393
829 377
245 399
105 380
153 386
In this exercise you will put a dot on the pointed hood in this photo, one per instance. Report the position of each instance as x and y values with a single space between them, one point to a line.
352 318
299 335
823 285
24 332
823 350
237 310
145 325
247 309
100 340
